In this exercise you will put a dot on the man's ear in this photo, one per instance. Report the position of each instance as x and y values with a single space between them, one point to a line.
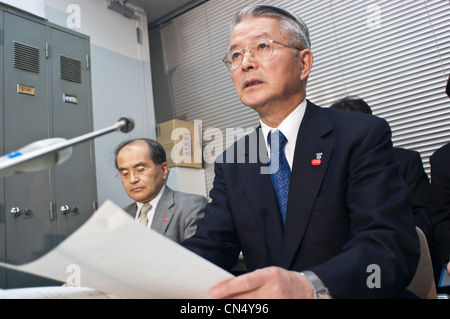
306 59
165 170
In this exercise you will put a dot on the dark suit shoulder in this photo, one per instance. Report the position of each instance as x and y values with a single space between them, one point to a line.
342 118
349 126
441 154
352 118
406 155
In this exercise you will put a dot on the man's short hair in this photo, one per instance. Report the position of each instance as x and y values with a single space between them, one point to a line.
352 104
156 152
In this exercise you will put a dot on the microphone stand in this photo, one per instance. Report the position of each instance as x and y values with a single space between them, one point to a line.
124 124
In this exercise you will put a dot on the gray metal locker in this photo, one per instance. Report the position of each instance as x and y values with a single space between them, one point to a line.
26 119
46 93
72 114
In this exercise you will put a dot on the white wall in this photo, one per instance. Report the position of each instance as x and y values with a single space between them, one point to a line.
35 7
121 78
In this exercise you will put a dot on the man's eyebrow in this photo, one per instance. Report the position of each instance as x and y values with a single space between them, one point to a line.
136 165
141 164
263 35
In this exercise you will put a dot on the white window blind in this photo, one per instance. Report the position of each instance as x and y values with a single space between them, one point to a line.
393 54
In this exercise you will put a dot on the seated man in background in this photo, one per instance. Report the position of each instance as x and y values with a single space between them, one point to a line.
143 171
411 170
440 207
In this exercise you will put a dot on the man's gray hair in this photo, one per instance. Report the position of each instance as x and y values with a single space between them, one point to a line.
294 27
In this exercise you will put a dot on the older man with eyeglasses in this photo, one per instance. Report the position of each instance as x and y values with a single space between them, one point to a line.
334 217
143 170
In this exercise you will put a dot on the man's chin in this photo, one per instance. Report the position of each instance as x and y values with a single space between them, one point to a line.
253 104
137 198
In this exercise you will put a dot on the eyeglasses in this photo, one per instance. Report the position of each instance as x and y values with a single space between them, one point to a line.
259 50
137 171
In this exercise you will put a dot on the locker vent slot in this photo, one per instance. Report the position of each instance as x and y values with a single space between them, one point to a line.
69 69
26 57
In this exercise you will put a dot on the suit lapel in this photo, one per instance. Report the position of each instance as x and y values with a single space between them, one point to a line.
306 178
131 209
261 195
163 212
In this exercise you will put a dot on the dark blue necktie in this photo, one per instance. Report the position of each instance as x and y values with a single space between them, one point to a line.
280 171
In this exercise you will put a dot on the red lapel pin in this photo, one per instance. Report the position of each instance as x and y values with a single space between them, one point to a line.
165 219
318 160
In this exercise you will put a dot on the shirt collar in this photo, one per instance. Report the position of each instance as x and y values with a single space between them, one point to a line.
154 201
290 125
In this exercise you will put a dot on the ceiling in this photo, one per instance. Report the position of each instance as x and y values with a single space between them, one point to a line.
157 9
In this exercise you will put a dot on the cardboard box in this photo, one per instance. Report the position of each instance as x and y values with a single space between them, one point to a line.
181 141
188 180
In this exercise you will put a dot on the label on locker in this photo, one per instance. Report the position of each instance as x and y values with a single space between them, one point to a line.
72 99
24 89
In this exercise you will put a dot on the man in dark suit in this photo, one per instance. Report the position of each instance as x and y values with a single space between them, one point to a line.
411 170
440 205
143 170
349 229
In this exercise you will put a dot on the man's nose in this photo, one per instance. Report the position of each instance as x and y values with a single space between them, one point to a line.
133 177
248 61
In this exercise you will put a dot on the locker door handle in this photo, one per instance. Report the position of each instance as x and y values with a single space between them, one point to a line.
65 209
15 211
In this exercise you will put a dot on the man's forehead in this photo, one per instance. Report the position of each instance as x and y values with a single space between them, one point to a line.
258 36
252 29
134 154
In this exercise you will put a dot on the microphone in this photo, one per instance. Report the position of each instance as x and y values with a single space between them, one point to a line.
127 124
47 153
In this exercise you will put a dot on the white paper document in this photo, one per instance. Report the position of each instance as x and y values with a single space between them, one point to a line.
55 293
113 254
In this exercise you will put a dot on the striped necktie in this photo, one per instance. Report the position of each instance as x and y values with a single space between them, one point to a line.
143 219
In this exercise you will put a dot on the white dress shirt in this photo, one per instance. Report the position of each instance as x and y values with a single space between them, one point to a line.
289 127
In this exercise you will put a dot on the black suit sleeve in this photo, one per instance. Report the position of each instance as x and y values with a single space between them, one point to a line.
215 238
440 201
412 171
